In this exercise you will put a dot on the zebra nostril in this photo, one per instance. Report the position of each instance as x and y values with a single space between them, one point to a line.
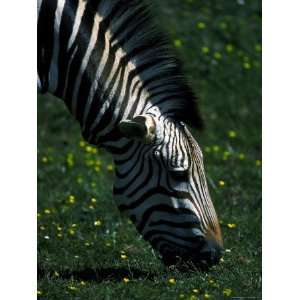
211 252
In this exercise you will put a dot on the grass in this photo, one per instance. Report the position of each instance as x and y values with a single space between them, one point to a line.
86 250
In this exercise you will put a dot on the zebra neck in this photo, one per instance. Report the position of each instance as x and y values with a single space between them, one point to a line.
107 66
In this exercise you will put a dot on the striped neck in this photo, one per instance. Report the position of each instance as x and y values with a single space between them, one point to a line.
108 62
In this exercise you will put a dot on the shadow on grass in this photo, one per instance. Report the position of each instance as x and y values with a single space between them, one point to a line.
98 275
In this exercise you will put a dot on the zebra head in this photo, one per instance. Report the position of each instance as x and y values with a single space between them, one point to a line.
161 184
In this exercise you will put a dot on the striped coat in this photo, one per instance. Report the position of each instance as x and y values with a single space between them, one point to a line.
115 72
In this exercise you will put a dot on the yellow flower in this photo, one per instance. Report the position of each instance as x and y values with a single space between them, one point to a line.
222 260
81 143
229 48
72 288
177 43
205 50
70 163
109 168
70 160
126 280
227 292
93 200
124 256
217 55
82 282
221 183
71 199
247 65
211 281
97 169
172 281
87 244
88 149
107 244
56 273
94 150
258 47
39 292
206 296
196 291
74 225
226 154
97 223
91 206
42 227
59 228
71 231
231 225
201 25
241 156
216 148
232 134
44 159
59 235
258 163
47 211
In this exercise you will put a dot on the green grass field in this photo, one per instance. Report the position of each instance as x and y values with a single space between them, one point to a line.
86 250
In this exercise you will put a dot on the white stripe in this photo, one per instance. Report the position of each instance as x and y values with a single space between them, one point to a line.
39 84
78 17
118 56
132 97
94 86
110 98
85 60
53 71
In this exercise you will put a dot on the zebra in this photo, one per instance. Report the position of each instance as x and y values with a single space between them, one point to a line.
117 75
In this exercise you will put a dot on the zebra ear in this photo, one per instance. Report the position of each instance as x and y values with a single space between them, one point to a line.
140 128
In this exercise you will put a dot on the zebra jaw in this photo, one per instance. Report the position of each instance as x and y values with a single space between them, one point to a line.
142 128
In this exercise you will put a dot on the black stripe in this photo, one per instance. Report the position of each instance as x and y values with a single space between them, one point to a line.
137 159
151 233
134 150
136 178
185 224
119 150
81 41
155 208
45 35
67 19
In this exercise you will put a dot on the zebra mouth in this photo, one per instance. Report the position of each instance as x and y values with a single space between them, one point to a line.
202 258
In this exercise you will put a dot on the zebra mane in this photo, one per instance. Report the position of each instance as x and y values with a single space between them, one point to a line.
149 48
